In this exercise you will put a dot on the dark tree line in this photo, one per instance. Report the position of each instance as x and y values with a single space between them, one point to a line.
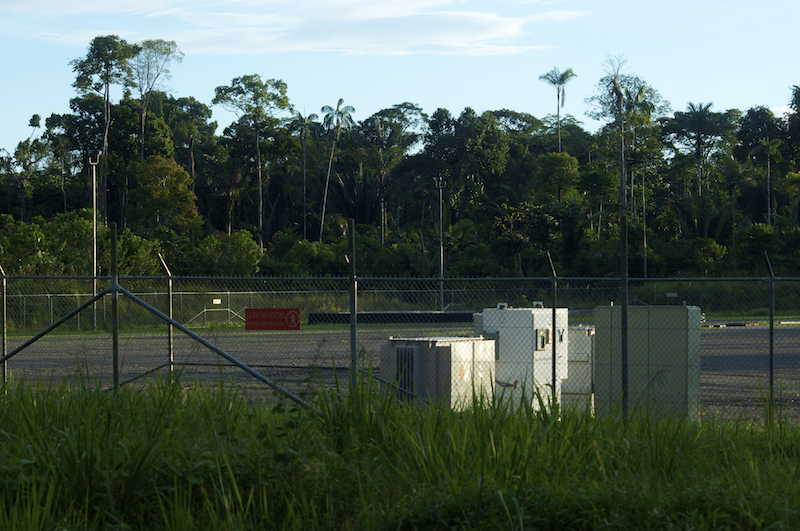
707 191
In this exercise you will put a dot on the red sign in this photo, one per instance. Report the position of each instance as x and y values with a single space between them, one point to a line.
272 319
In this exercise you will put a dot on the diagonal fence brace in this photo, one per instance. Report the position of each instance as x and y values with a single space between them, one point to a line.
246 368
116 288
55 325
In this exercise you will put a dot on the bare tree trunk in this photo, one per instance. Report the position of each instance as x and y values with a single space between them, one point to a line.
103 174
325 195
305 191
22 194
230 213
191 160
260 190
558 116
383 211
144 104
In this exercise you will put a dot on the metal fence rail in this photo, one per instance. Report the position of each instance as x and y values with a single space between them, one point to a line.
750 329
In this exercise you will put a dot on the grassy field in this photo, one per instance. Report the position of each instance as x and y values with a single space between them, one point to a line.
165 456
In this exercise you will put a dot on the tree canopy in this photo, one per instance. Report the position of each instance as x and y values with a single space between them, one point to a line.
705 191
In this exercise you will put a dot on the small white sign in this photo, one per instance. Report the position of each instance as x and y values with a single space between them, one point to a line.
216 301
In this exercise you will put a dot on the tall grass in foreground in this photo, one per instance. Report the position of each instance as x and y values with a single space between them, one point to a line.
167 457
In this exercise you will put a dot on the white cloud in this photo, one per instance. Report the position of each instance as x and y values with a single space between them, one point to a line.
443 33
782 112
60 8
349 9
255 27
560 16
365 27
82 38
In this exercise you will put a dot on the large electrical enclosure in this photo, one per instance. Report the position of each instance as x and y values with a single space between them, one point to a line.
450 369
524 341
663 359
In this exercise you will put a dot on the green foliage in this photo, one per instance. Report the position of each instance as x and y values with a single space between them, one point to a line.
137 256
234 255
305 258
698 257
752 243
251 96
106 62
163 198
700 131
69 236
476 261
165 456
407 257
22 247
556 173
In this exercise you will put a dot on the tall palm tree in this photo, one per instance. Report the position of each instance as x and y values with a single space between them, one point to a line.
335 120
302 123
702 131
699 121
558 80
386 142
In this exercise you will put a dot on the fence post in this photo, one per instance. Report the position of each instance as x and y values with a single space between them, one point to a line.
93 164
771 329
624 295
555 301
169 329
440 184
353 308
115 304
5 326
623 254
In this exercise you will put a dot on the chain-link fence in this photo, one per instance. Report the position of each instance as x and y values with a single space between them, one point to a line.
702 347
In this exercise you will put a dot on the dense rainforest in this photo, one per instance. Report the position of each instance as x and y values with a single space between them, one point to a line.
706 191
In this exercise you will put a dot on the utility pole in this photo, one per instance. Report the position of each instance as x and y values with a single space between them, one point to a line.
93 164
440 184
623 247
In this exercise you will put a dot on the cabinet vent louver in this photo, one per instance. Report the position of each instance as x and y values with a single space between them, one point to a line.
406 358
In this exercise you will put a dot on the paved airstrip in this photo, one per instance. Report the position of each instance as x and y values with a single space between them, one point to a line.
735 361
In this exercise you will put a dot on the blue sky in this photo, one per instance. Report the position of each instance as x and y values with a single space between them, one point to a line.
436 53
